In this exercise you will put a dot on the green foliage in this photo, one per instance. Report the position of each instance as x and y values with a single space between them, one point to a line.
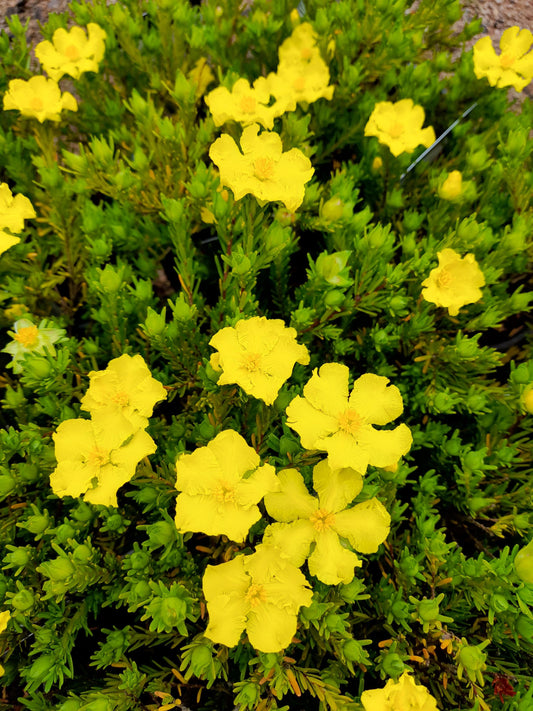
138 248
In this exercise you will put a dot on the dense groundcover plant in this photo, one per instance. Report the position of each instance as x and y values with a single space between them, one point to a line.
267 384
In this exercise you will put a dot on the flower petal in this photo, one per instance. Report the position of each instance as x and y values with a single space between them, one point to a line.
375 400
206 514
336 488
385 447
262 481
366 525
330 562
311 424
293 539
293 501
270 628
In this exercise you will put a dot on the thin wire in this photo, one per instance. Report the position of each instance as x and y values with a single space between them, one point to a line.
438 140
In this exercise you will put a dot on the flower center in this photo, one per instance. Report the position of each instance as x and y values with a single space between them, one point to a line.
251 362
121 398
444 279
299 84
248 104
98 457
396 130
306 53
507 60
27 336
256 595
37 103
72 52
350 421
321 520
264 168
225 493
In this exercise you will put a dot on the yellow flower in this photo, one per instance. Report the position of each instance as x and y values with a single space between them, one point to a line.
297 83
300 48
455 282
14 209
258 354
401 695
399 126
262 168
95 458
513 67
221 485
302 74
28 338
72 52
4 619
327 419
260 593
307 520
125 389
201 75
243 104
452 187
39 98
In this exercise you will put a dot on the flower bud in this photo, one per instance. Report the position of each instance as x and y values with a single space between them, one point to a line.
201 659
82 554
139 560
392 664
334 298
161 533
23 600
7 485
58 569
353 651
351 591
82 513
332 210
64 532
154 324
110 279
247 696
452 188
471 657
523 563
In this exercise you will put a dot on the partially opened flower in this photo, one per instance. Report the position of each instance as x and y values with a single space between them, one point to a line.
260 593
262 169
221 485
402 695
455 282
452 187
95 458
258 354
513 67
126 389
329 419
310 527
399 126
243 103
72 52
29 338
39 98
14 209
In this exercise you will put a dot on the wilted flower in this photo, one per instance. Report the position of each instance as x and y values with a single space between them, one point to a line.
14 209
455 282
221 485
125 389
72 52
243 103
402 695
307 520
258 354
28 338
95 458
39 98
513 67
399 126
327 418
260 593
262 169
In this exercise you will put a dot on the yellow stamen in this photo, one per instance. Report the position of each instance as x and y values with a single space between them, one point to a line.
98 457
507 60
248 104
396 130
299 84
306 53
37 103
444 279
27 336
121 398
350 421
256 595
322 520
225 493
72 52
264 168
